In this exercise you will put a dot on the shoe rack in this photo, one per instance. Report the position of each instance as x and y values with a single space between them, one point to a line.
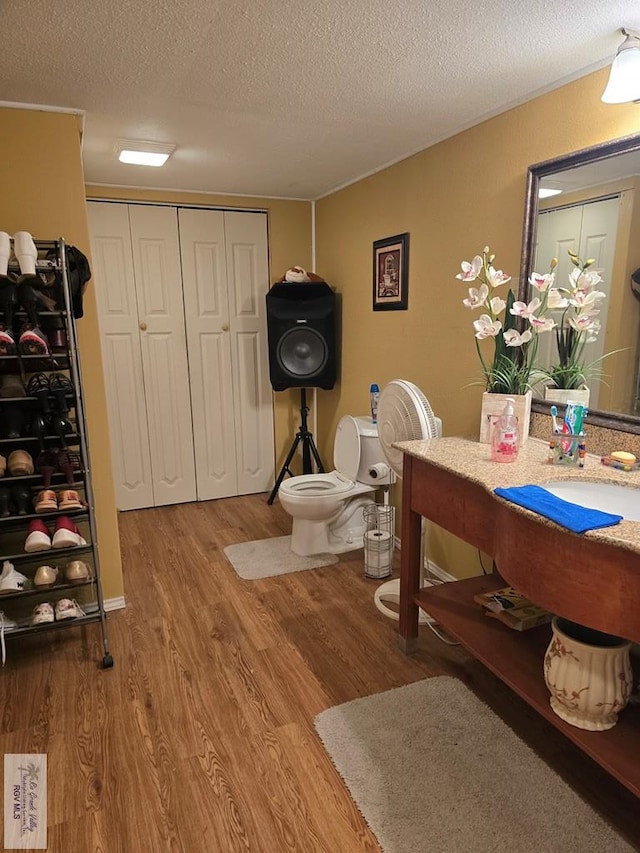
50 500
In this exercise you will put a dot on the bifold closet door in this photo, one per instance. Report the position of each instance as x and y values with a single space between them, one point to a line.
143 297
225 279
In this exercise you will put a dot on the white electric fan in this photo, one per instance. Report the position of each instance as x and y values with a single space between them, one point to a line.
404 414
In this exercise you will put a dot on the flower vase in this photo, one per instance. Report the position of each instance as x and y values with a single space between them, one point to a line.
588 674
493 406
564 395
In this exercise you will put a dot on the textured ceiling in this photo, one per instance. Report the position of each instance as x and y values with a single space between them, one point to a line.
291 99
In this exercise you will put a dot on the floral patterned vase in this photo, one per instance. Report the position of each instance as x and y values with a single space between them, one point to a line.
588 674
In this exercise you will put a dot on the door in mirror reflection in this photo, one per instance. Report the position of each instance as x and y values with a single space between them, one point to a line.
590 230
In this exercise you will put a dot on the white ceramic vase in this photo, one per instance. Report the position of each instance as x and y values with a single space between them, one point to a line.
564 395
493 406
588 674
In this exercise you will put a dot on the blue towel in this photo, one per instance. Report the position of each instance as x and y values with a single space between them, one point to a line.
573 516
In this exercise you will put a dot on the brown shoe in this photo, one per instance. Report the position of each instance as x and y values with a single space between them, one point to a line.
46 501
77 572
3 465
20 463
69 499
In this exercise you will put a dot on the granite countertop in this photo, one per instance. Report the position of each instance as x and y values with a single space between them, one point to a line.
469 459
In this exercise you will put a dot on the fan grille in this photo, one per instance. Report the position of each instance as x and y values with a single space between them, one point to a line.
404 414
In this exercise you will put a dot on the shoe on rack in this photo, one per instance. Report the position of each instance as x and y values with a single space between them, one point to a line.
69 499
45 576
68 461
76 571
3 465
25 251
46 501
20 463
47 465
5 502
66 534
42 613
32 341
6 625
11 580
38 387
22 499
38 537
12 386
13 423
7 340
68 608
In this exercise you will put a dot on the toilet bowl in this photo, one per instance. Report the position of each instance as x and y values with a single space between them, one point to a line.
327 509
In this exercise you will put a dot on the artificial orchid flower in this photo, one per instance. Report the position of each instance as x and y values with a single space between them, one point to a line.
556 300
497 305
471 270
496 277
521 309
542 282
486 327
584 322
477 296
542 324
513 338
582 280
582 298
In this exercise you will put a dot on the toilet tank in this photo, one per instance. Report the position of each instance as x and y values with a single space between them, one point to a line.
356 450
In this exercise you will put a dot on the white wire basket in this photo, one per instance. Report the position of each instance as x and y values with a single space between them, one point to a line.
378 540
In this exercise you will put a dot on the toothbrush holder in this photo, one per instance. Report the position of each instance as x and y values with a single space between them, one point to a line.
567 449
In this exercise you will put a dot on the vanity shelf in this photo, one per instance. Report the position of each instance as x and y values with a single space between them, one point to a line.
516 658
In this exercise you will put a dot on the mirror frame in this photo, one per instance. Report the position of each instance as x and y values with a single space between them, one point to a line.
603 151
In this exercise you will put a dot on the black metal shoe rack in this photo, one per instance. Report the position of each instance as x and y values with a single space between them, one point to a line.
18 605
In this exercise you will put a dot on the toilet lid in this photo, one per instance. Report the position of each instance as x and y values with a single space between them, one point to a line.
346 448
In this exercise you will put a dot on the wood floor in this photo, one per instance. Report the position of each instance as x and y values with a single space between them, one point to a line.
201 737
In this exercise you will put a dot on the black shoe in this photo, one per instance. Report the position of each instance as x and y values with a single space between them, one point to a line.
5 502
22 499
12 420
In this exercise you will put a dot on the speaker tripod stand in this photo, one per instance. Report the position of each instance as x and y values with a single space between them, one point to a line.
308 449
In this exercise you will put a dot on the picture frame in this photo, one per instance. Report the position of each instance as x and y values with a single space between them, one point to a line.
391 273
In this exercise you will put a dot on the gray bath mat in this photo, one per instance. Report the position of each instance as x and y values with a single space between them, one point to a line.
266 558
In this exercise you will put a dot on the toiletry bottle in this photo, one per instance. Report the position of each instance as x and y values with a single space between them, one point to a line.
374 395
505 438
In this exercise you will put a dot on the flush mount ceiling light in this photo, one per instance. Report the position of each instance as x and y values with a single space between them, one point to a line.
624 78
547 192
144 153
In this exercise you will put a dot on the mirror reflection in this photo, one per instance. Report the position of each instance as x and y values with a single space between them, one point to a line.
588 203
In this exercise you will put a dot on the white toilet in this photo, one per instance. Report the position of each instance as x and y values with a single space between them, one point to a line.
327 508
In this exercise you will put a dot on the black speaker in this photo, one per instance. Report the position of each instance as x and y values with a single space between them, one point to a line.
302 324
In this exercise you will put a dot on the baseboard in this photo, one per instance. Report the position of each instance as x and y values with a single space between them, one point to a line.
431 567
118 603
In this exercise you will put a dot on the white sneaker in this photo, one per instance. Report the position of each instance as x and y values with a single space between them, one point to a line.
68 609
7 625
42 613
10 580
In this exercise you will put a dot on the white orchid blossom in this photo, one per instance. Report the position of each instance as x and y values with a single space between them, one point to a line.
486 327
497 304
542 283
584 298
470 271
477 296
496 277
521 309
543 324
556 300
513 338
581 280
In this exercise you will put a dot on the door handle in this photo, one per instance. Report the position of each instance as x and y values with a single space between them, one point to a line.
143 327
225 327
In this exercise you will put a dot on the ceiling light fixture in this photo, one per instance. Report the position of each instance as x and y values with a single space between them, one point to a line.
144 153
624 78
547 192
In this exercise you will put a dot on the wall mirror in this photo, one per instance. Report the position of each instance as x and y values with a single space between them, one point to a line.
589 201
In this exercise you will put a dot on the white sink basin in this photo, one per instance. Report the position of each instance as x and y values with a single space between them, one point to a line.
608 497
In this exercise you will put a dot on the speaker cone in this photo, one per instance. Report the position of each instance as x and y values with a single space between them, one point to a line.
302 352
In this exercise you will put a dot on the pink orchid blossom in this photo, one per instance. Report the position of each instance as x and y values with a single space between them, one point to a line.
542 282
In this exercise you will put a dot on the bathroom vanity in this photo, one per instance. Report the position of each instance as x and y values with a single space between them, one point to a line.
592 578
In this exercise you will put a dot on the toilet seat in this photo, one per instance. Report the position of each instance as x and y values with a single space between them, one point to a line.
313 485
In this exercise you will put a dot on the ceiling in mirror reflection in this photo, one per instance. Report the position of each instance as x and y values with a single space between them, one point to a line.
593 174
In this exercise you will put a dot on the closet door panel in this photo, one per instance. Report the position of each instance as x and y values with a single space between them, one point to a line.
248 282
204 269
156 257
112 264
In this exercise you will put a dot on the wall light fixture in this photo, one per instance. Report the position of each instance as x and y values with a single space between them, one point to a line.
624 78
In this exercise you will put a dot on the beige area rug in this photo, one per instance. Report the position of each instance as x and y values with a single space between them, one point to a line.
432 768
266 558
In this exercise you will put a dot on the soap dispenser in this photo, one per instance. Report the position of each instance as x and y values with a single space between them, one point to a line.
505 437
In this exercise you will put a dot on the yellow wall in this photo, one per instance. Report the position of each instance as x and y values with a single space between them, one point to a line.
289 225
453 199
42 191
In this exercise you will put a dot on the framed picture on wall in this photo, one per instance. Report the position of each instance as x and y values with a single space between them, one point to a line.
390 273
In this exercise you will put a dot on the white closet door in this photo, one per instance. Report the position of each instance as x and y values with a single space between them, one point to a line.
112 263
226 278
204 271
248 277
156 258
